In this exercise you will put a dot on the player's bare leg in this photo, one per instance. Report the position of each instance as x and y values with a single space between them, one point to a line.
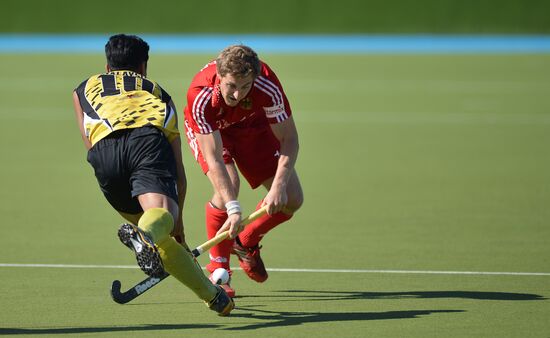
293 190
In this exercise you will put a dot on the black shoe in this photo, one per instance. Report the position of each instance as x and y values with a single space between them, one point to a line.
222 303
147 255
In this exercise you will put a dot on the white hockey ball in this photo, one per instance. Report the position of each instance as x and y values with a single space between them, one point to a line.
220 276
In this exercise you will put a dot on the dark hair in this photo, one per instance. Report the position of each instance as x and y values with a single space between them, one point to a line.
126 52
238 60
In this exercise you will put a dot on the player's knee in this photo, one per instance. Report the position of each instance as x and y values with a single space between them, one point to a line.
295 202
158 222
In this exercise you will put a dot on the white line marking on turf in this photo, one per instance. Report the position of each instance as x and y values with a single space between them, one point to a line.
426 272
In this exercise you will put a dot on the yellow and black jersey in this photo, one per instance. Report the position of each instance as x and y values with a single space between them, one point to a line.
121 100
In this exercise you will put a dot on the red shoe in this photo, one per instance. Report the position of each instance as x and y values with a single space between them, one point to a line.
250 261
228 289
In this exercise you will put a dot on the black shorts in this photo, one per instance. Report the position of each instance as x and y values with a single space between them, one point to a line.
132 162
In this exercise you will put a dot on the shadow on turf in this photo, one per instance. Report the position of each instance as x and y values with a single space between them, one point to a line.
350 295
278 319
298 318
69 330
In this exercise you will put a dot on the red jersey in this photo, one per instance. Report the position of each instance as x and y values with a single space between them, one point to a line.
206 111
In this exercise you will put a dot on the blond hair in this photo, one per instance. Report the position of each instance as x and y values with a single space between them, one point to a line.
238 60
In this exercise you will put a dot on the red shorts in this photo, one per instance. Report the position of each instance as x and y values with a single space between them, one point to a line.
254 150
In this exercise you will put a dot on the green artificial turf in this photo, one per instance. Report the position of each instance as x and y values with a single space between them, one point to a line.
409 162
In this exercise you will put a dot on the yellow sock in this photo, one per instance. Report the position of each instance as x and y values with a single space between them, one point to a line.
180 263
177 259
157 223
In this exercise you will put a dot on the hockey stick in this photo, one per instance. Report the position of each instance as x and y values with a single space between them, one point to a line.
149 282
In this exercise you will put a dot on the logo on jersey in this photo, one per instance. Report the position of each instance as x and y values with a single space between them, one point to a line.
275 111
246 103
222 124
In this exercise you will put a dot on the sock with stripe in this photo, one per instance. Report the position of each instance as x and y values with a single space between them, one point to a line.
219 254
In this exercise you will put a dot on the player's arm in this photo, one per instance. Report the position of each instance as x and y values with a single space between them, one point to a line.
181 182
212 150
80 120
287 135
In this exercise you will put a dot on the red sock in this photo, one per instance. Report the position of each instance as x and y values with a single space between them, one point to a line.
219 254
254 232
